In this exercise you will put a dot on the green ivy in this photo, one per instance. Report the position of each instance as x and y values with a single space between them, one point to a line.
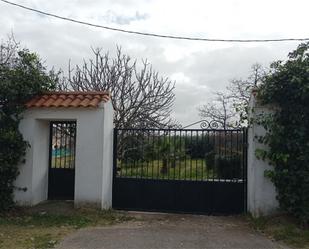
21 77
286 88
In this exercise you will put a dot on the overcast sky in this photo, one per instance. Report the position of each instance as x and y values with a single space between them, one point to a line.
199 68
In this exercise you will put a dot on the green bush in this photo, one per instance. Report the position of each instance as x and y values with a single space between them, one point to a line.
12 148
228 167
210 160
287 131
21 77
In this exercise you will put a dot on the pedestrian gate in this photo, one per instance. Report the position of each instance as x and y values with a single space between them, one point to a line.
61 174
180 170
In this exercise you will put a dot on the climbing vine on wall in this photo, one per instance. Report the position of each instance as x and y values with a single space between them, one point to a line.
21 76
286 87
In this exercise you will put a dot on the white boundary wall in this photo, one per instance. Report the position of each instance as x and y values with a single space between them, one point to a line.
94 154
261 191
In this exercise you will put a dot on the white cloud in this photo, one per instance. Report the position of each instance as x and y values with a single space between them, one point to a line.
199 68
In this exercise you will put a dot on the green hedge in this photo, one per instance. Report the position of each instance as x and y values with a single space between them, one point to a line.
286 87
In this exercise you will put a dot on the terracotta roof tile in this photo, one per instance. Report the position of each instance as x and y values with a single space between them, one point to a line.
85 102
93 102
41 100
69 99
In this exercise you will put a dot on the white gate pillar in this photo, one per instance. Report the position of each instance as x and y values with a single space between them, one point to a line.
108 138
261 194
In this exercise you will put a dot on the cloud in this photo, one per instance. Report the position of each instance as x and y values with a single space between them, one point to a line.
112 17
199 68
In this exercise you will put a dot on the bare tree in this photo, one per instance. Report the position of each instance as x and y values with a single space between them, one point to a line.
239 90
231 109
219 111
140 96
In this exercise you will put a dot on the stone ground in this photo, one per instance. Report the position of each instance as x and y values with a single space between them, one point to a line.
171 231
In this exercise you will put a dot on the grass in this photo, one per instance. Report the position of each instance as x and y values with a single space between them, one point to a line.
62 162
27 228
282 228
190 169
185 170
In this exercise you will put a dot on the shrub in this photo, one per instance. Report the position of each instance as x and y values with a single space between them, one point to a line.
197 146
228 167
210 160
287 131
21 76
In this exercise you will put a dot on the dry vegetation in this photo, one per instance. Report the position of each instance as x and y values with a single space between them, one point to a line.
44 226
284 229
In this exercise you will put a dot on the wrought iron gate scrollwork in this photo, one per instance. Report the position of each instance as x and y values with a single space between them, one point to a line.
212 124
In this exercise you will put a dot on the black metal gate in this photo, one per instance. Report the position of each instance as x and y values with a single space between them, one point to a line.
61 175
180 170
